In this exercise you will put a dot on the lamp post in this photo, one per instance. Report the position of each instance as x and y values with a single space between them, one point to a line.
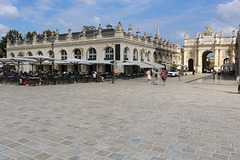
52 37
229 54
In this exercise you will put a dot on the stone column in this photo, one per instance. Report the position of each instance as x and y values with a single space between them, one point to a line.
216 65
195 62
199 68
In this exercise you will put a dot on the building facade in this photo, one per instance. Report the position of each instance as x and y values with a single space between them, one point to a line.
98 44
237 58
196 50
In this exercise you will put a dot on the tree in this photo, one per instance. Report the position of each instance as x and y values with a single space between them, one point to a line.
174 66
11 35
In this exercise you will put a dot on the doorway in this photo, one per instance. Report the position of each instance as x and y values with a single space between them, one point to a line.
190 65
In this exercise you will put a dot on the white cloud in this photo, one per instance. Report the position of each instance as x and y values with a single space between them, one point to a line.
229 11
88 2
225 28
3 30
180 35
9 12
97 20
46 5
227 17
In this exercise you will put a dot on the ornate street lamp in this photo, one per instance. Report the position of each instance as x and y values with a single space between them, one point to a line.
52 38
229 54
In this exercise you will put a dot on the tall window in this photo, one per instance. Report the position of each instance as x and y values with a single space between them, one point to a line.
92 54
63 55
135 54
77 54
51 54
29 54
109 53
12 55
142 57
40 53
148 56
125 56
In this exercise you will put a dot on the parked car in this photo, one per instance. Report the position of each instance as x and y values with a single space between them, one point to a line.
172 73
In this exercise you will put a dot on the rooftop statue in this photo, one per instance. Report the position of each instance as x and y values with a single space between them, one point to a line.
208 31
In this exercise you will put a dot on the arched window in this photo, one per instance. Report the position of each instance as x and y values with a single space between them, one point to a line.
142 57
226 61
12 55
77 54
92 54
29 54
148 56
51 54
63 55
125 55
108 53
135 55
40 53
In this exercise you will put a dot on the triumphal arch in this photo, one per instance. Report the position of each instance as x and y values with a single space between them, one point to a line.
220 49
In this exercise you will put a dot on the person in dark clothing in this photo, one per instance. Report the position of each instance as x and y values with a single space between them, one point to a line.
113 76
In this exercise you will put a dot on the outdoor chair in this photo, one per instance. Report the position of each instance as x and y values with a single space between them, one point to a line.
45 80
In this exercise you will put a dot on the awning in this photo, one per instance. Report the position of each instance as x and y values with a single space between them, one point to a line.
166 64
141 64
228 65
101 62
156 65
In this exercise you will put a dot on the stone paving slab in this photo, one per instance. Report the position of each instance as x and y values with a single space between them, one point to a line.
195 118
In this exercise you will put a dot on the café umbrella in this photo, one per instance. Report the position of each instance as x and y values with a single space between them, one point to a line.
40 59
76 61
21 60
98 63
5 61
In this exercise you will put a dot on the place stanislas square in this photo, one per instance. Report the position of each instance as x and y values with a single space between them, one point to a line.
194 118
65 114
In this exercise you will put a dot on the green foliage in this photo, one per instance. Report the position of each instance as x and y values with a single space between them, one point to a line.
210 65
12 34
174 66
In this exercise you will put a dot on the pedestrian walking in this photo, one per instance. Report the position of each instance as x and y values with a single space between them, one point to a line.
149 75
164 78
179 75
157 75
214 73
113 76
153 75
219 73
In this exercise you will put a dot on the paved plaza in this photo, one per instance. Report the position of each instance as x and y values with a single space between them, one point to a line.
197 118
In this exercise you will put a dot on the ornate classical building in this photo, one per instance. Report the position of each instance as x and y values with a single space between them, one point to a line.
167 52
237 58
99 44
197 49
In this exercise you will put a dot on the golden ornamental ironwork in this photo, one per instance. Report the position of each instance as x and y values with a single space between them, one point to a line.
21 54
81 50
52 35
208 30
143 50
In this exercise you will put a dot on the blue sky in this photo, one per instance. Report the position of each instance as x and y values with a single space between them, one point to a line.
175 17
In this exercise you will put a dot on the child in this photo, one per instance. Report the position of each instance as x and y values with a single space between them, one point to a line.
164 78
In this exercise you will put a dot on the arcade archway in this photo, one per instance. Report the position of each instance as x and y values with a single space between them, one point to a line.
207 61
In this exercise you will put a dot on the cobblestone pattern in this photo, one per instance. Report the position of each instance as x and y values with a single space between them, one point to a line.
196 118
